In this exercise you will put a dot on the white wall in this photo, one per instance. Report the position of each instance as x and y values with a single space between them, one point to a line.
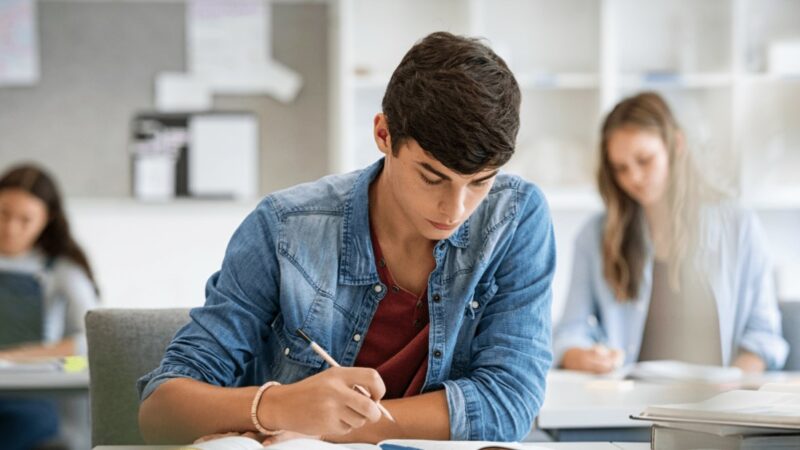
154 255
161 255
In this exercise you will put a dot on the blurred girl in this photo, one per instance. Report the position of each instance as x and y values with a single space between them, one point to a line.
46 287
671 270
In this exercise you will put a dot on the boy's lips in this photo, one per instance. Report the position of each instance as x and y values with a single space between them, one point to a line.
441 226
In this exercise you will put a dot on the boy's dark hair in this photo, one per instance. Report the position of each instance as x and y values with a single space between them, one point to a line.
457 99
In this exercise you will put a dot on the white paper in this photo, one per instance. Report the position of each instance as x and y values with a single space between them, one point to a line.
229 48
33 366
19 52
739 407
223 155
178 92
270 78
154 177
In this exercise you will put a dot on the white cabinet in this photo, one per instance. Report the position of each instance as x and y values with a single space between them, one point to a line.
574 59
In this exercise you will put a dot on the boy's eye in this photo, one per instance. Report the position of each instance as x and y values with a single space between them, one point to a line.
429 181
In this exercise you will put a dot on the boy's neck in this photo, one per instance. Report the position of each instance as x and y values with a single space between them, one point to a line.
388 221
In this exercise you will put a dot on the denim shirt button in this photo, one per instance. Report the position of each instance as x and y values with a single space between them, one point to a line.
436 297
357 337
286 351
475 304
437 353
377 288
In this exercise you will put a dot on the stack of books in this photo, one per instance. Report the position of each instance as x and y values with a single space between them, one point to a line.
768 418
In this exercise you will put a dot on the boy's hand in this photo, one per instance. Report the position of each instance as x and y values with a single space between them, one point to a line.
596 359
323 404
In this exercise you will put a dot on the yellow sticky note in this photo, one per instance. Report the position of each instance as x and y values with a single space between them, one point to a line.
75 364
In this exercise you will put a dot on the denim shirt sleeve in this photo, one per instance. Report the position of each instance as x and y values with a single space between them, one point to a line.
511 354
574 329
241 302
762 333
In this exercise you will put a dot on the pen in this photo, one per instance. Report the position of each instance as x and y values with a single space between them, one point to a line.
332 362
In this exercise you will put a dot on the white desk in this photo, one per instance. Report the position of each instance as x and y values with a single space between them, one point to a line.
577 400
43 383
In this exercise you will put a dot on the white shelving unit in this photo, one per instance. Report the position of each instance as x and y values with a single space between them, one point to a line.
574 59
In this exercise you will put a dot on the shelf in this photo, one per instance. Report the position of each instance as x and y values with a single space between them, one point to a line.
707 59
676 80
172 207
377 80
770 78
558 80
572 198
784 198
526 80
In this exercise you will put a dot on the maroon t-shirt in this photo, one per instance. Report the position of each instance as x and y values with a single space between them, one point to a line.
396 343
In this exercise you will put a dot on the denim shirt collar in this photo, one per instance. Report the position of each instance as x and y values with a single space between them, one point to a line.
357 265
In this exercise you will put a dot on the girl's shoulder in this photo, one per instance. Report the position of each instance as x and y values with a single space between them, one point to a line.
729 215
591 232
65 269
32 262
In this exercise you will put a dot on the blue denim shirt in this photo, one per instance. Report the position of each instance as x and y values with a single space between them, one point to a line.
736 265
304 259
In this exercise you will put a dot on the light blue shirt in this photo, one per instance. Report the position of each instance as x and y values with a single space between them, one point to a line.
735 264
68 294
304 259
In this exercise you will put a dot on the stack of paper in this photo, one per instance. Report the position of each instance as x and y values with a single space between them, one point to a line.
763 419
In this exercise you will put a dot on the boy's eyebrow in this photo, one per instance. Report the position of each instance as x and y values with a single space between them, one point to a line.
482 179
430 168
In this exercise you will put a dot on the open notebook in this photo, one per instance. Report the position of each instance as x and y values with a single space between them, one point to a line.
243 443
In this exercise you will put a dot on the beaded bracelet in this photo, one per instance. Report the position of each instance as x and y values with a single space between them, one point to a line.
254 409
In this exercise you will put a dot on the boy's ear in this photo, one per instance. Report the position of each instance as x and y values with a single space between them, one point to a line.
381 134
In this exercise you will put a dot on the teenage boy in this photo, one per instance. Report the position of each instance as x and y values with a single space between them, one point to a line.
426 275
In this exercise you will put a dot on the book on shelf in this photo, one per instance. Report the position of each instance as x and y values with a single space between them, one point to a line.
245 443
768 418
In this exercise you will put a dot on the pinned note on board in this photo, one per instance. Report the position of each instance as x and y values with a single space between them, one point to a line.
19 46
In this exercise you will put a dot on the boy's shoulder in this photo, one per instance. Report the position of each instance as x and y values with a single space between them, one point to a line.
513 191
511 196
327 195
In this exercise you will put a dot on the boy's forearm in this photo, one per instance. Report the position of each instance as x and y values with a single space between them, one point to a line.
182 410
423 416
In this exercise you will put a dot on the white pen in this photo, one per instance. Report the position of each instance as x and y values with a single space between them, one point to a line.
332 362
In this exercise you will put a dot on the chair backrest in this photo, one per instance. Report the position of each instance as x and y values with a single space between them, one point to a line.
790 315
123 345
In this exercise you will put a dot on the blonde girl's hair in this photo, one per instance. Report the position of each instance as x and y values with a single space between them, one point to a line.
624 239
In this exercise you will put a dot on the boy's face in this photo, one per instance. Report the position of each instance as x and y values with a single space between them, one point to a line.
433 199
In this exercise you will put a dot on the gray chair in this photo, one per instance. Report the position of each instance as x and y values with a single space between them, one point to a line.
790 315
123 345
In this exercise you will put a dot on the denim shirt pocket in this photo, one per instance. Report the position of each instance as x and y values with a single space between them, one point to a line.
473 311
293 358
